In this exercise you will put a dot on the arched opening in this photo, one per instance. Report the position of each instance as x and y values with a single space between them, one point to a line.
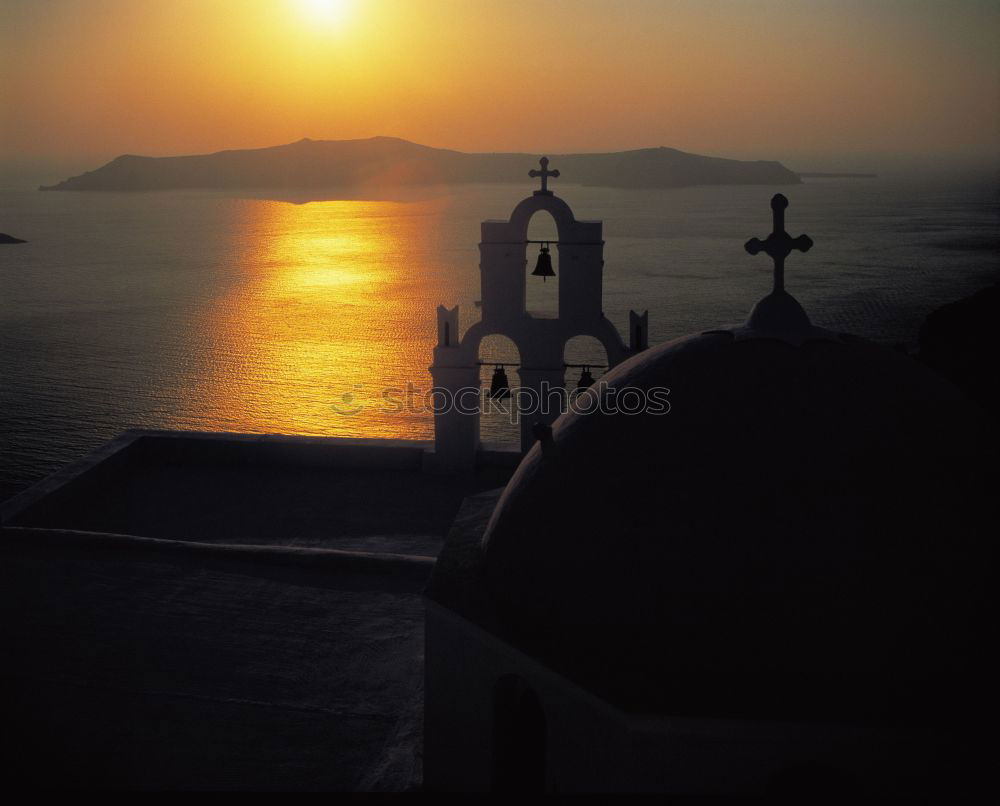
542 297
498 427
519 737
584 351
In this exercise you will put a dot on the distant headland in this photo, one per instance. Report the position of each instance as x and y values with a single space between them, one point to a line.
5 238
824 175
392 162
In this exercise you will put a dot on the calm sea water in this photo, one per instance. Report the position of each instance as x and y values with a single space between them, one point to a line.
198 310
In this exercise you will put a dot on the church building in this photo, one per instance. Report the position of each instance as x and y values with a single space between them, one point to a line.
779 585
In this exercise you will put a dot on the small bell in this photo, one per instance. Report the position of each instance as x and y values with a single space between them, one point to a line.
499 387
586 379
543 268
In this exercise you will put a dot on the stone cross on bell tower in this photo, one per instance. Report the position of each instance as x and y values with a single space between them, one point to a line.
779 244
545 173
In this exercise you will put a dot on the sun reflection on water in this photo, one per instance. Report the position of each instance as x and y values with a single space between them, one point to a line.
328 311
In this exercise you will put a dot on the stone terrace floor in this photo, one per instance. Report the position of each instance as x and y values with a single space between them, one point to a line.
139 666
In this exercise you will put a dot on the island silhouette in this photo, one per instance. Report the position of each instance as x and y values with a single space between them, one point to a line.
393 162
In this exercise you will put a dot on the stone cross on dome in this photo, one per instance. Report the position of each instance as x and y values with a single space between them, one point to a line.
545 173
779 243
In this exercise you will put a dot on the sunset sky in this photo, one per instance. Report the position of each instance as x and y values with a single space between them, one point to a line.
817 84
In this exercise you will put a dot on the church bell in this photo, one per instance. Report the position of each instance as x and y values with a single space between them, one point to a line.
543 268
499 387
586 379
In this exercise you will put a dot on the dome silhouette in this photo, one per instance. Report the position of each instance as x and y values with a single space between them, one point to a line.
801 534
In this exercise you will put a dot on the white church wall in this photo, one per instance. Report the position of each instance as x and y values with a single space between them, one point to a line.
586 740
593 746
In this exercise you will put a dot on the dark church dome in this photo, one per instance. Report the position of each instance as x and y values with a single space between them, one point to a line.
801 533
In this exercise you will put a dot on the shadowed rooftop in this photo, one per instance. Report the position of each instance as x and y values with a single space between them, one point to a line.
203 611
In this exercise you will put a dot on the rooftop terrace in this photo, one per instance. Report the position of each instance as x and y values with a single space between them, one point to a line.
222 612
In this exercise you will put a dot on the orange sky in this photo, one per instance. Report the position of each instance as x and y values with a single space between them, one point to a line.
802 81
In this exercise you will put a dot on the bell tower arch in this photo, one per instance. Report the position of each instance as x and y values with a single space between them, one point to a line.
503 251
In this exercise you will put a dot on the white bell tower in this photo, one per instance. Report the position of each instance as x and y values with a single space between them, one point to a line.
540 341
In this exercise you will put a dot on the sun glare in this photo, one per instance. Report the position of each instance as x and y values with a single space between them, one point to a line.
325 12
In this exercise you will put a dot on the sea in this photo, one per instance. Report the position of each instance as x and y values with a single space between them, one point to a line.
268 312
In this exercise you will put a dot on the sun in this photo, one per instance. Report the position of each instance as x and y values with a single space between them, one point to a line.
325 12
